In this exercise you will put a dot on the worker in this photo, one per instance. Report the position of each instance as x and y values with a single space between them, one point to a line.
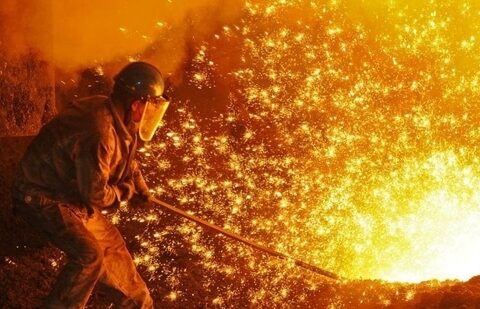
81 162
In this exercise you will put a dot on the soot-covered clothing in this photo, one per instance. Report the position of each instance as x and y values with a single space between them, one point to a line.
81 162
81 156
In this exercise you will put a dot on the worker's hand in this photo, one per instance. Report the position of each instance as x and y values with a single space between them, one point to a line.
142 200
126 189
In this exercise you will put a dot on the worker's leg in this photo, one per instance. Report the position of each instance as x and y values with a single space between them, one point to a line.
64 227
119 270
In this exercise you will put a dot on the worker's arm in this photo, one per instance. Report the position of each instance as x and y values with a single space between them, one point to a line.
141 187
92 163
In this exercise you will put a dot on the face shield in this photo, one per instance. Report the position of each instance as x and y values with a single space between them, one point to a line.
152 116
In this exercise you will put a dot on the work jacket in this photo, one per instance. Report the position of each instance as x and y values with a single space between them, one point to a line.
81 156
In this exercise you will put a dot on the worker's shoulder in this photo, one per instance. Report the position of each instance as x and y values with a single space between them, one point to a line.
91 115
95 110
95 99
91 105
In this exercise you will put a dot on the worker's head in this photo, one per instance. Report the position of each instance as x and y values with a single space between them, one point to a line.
138 89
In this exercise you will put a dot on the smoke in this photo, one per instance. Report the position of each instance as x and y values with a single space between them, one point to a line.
23 25
77 34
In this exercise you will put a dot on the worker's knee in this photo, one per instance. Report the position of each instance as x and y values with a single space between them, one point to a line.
91 257
116 242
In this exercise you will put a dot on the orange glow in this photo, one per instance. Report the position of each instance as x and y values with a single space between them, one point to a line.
342 133
359 152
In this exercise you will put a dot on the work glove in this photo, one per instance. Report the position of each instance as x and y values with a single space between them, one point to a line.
142 200
125 190
145 196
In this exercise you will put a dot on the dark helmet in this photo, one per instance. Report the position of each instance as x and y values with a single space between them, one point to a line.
139 80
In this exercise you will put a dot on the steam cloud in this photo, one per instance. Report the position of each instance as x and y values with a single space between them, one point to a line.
77 34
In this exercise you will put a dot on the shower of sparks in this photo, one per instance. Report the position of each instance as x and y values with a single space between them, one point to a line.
351 143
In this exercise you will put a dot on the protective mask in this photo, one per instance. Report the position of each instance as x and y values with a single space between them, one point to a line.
151 118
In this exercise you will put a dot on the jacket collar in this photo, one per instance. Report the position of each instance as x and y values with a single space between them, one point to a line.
120 126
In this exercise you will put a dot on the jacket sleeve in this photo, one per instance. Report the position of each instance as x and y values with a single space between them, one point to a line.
92 164
141 187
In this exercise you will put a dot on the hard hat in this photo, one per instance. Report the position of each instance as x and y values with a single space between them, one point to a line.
140 80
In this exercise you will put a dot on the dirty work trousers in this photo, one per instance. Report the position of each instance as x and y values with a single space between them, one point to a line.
95 252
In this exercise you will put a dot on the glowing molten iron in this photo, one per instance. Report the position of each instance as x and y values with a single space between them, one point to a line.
431 209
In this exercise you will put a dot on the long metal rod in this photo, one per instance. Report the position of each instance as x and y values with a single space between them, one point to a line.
234 236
